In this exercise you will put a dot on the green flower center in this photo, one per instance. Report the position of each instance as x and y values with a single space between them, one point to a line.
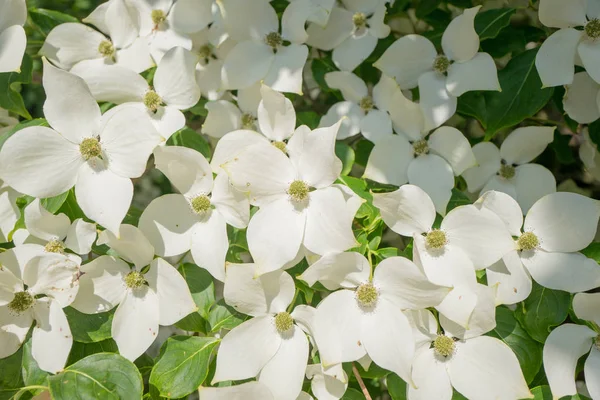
436 239
443 345
280 145
90 148
366 295
420 147
366 103
507 171
274 39
22 302
441 64
201 204
298 190
152 100
248 121
283 322
158 16
205 52
528 241
54 246
359 20
106 48
134 280
592 29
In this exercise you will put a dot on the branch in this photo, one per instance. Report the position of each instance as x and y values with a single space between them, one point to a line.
361 383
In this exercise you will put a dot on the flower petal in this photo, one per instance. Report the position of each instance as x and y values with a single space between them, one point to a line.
482 318
223 117
13 42
407 211
556 58
353 88
175 78
230 203
349 113
131 245
460 41
562 14
353 51
580 97
436 103
532 182
453 146
586 305
252 390
505 207
14 329
189 16
430 377
338 270
592 372
244 20
338 28
210 244
112 83
434 175
186 168
81 236
71 42
54 275
43 224
376 126
389 161
510 278
525 144
488 164
247 63
51 338
285 72
276 115
478 73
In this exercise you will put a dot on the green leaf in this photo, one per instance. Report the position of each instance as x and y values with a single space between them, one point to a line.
70 207
182 365
544 393
319 67
527 350
201 286
53 204
458 199
363 151
10 98
426 7
21 125
592 251
308 118
187 137
82 350
488 24
396 387
32 374
223 316
10 375
48 19
345 153
89 328
353 394
542 310
99 376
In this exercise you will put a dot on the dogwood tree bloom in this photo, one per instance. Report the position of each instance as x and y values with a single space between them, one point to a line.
510 170
150 294
197 218
279 358
12 35
327 384
413 61
365 317
224 117
582 99
569 342
174 89
36 287
98 154
210 65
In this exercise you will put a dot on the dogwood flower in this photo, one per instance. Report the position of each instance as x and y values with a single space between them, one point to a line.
510 170
150 294
351 32
210 65
98 154
327 384
589 154
197 218
569 342
413 61
365 317
12 35
224 116
582 99
478 367
174 89
36 288
559 53
279 358
299 13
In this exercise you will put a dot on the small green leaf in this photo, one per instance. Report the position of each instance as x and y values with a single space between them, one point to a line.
48 19
592 251
10 97
353 394
458 199
223 316
544 393
32 374
345 153
53 204
89 328
308 118
187 137
10 375
70 207
426 7
81 350
319 67
396 387
488 24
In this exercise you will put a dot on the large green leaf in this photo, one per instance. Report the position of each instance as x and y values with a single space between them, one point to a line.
396 387
488 24
544 393
10 97
182 365
346 155
10 375
202 288
99 376
46 20
89 328
32 374
223 316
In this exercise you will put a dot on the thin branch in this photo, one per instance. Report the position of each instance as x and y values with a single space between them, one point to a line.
361 383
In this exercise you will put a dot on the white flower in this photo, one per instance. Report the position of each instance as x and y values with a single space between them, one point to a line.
150 294
37 287
12 35
366 316
246 391
352 32
510 170
211 54
300 12
413 60
260 54
582 99
279 351
589 154
327 384
197 218
174 89
564 48
556 228
98 154
568 343
9 212
479 368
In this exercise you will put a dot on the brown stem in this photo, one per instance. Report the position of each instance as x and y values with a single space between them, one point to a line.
361 383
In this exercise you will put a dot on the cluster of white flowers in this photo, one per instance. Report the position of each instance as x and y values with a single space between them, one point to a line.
117 91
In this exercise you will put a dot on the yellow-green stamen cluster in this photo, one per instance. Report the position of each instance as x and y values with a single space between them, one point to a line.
134 280
280 145
507 171
200 204
22 302
90 148
528 241
283 322
592 29
366 103
158 16
420 147
441 64
152 100
443 346
298 190
54 246
248 121
359 20
436 239
205 52
274 39
366 295
106 48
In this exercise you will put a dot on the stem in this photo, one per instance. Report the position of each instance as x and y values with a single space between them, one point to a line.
361 383
293 300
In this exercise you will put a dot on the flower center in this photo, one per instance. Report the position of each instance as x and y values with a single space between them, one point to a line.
441 64
134 280
152 100
443 345
200 204
592 29
90 148
21 302
274 39
248 121
436 239
366 103
280 145
597 342
283 322
528 241
205 52
298 190
420 147
359 20
366 295
507 171
54 246
106 48
158 16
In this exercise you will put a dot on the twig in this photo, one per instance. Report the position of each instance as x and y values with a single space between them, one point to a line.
361 383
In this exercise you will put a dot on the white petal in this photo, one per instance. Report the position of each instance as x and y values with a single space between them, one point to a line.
338 270
436 103
135 324
562 349
162 40
376 125
186 168
478 73
525 144
230 203
482 319
121 26
131 245
210 244
175 78
9 212
54 275
349 113
12 47
579 101
276 115
47 169
505 207
488 163
69 43
338 28
81 236
563 221
294 19
434 175
456 309
112 83
586 305
430 377
236 360
406 211
244 20
325 386
592 373
13 330
384 91
14 13
43 224
252 390
223 117
51 339
353 51
249 98
590 57
247 63
232 145
285 73
556 58
454 147
407 116
174 298
460 41
389 161
189 16
512 282
562 14
137 56
17 258
532 182
352 87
